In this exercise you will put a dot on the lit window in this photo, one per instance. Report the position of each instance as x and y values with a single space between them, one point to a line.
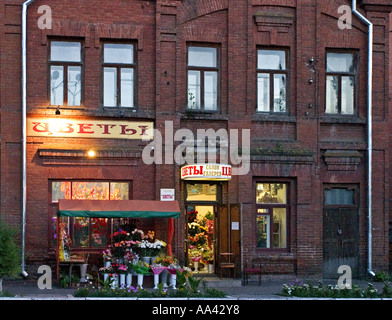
87 232
271 215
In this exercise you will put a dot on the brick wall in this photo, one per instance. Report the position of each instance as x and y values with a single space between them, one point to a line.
162 30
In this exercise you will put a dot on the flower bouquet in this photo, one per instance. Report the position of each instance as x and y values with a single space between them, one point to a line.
156 270
142 269
165 260
106 271
137 235
107 256
146 249
195 255
157 247
172 268
122 270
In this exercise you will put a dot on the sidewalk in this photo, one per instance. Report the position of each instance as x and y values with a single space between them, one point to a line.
268 290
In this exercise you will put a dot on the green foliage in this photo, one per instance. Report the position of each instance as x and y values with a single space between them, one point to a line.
10 258
187 286
301 289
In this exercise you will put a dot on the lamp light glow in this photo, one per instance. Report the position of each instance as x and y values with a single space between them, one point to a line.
91 153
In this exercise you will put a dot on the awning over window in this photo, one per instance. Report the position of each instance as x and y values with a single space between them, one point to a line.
118 208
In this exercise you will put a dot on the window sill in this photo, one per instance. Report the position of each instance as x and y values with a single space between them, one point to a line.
203 115
342 119
273 117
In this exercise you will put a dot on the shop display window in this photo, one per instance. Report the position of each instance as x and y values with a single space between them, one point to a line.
87 232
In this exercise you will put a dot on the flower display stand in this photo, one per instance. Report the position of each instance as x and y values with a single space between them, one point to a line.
140 278
129 280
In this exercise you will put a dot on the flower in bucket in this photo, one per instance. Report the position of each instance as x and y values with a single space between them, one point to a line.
141 268
108 269
157 268
195 254
107 254
137 235
146 248
158 245
165 260
129 257
122 268
173 267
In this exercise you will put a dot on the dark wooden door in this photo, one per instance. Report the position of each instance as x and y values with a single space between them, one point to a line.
341 240
228 233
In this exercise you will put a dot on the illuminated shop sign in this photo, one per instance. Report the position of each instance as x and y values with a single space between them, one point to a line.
209 171
71 128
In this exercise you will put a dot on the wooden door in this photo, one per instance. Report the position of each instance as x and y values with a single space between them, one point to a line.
341 240
229 233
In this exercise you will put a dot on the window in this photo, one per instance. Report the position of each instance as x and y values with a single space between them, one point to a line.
271 81
339 196
87 232
118 75
201 192
340 83
271 215
203 78
65 65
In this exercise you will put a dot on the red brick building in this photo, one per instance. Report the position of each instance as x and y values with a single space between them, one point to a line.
294 73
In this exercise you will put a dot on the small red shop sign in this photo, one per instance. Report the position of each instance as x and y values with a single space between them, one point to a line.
75 128
209 171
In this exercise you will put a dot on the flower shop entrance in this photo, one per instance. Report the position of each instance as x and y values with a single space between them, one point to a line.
211 229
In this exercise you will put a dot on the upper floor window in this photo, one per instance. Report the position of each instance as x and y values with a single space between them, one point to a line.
118 75
65 64
340 83
271 81
203 74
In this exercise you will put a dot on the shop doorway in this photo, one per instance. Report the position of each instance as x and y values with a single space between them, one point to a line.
201 238
211 228
340 230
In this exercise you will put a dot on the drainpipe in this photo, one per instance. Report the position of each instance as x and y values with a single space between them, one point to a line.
369 136
24 130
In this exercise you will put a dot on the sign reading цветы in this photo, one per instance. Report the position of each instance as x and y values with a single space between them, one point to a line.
72 128
208 171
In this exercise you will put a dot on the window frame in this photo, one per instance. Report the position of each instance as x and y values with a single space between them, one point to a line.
53 207
348 187
271 73
354 74
118 67
66 65
202 70
271 207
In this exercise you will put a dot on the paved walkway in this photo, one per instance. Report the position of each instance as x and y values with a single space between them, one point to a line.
268 290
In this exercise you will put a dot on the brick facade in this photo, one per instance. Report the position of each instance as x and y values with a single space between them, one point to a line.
303 147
